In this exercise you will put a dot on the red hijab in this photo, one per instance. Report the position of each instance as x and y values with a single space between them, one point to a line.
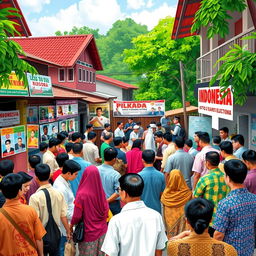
91 199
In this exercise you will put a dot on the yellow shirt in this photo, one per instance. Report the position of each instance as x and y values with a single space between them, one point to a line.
221 165
199 245
168 151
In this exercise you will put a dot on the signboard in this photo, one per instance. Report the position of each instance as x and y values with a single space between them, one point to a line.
9 118
199 124
39 86
66 108
210 102
32 135
47 114
48 131
16 87
70 125
32 115
13 141
99 114
139 108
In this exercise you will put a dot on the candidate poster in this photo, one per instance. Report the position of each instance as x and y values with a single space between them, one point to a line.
32 115
32 135
53 129
13 141
47 114
139 108
66 108
44 133
99 114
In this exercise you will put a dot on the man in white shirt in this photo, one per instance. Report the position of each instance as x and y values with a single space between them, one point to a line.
69 172
49 157
224 134
137 230
119 131
90 150
134 135
189 148
89 128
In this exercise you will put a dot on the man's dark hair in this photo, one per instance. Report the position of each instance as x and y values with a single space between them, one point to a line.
216 140
198 132
238 138
236 170
7 141
132 184
99 108
10 185
179 141
88 126
130 118
106 125
159 134
25 177
224 129
6 167
138 123
69 147
177 117
19 138
227 147
250 156
189 143
125 139
45 127
65 133
158 124
43 146
61 158
75 136
77 147
110 154
91 135
61 136
53 142
137 144
148 156
43 172
117 141
71 166
34 160
107 135
204 137
199 213
168 136
118 123
213 158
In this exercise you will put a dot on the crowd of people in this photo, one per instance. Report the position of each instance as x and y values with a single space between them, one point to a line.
139 193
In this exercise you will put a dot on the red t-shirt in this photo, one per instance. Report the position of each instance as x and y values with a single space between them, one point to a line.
56 174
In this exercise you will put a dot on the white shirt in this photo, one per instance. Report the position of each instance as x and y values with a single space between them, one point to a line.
118 132
63 186
90 152
133 135
150 141
136 231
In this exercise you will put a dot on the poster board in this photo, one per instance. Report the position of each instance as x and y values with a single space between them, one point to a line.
66 109
32 135
69 125
99 114
47 114
32 115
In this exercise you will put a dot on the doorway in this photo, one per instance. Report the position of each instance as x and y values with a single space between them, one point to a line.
243 127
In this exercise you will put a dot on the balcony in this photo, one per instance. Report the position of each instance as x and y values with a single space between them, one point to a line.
205 64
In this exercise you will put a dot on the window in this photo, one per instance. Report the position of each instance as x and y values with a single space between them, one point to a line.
80 75
90 77
93 75
70 74
87 75
61 75
84 75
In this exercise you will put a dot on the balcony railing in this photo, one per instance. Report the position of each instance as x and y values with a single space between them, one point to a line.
206 68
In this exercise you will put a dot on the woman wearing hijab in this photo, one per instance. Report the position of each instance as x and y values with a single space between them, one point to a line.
91 206
174 198
134 158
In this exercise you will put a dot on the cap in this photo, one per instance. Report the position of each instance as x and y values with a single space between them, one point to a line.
153 125
136 127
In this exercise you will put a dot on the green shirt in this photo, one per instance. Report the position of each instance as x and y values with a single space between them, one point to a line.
103 146
212 187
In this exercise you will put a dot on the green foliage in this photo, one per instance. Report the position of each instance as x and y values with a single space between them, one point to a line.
155 59
9 50
213 14
238 70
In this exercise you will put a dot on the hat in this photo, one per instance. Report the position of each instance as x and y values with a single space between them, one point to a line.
136 127
25 177
152 125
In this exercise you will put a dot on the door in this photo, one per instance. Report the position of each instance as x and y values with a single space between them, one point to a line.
243 128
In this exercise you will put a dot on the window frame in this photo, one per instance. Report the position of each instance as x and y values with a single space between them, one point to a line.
63 75
68 75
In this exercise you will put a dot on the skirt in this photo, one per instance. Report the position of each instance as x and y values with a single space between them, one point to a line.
91 248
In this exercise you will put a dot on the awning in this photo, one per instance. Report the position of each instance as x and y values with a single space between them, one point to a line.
184 18
180 111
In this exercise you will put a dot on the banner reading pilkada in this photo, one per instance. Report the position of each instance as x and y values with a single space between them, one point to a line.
139 108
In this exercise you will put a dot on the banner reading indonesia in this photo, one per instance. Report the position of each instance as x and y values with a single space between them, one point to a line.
139 108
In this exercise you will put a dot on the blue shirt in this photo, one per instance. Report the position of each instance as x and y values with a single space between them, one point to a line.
239 152
154 185
128 132
121 155
109 178
236 218
75 183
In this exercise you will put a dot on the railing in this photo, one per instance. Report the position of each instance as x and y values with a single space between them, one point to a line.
206 68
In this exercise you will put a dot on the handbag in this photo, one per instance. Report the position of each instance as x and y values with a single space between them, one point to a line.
78 235
70 248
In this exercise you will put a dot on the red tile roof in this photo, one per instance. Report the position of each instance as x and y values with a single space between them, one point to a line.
23 29
115 82
61 50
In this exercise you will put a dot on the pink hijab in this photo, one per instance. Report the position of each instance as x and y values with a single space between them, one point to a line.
91 199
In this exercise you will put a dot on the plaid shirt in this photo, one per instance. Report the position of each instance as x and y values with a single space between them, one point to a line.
212 187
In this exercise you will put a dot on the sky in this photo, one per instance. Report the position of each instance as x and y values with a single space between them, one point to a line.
45 17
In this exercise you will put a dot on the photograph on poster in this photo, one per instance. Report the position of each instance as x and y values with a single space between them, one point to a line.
20 142
32 136
53 130
66 109
43 114
32 115
63 126
44 133
51 113
99 114
7 145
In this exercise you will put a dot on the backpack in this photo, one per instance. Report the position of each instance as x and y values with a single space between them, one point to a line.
182 132
52 237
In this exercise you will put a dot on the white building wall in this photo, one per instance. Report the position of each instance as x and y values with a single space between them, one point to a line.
109 89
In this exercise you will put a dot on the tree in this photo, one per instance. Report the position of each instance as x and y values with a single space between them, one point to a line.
155 58
238 64
9 50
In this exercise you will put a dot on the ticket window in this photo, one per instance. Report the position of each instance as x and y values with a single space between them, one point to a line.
243 128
